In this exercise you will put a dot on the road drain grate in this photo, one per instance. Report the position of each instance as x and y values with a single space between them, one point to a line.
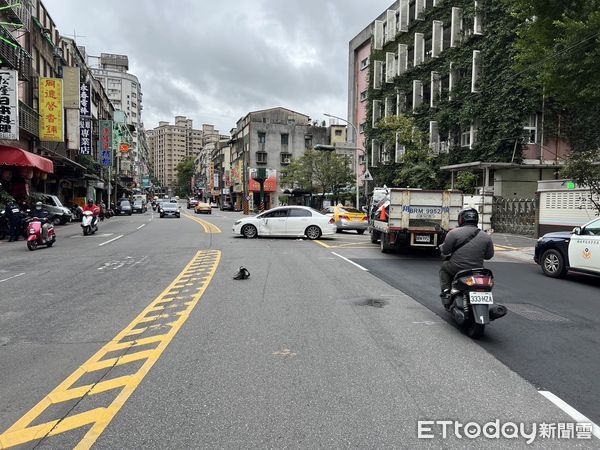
531 312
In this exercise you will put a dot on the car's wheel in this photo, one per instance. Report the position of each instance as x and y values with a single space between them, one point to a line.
553 264
56 220
249 231
361 232
313 232
162 216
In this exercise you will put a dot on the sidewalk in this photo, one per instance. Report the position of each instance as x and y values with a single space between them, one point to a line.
515 246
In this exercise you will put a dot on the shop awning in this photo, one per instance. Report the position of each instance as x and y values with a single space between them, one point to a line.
13 156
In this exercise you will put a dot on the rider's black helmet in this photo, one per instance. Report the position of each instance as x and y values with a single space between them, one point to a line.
90 201
468 216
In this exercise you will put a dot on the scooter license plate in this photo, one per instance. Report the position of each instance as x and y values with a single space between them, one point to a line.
481 298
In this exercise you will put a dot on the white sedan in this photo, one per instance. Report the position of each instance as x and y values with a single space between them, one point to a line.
286 221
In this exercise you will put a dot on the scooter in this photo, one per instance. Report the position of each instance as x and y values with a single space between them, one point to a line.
35 235
88 223
471 303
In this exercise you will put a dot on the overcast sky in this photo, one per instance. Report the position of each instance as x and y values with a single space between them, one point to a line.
215 61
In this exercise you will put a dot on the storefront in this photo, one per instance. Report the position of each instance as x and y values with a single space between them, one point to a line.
20 170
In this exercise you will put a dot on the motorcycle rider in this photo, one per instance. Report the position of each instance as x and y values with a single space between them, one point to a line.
15 220
464 248
43 215
95 209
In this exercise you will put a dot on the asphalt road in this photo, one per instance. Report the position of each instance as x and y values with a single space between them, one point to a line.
138 337
551 336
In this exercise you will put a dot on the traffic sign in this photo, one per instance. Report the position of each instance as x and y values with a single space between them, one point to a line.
367 176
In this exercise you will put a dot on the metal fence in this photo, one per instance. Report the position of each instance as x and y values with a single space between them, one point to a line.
514 216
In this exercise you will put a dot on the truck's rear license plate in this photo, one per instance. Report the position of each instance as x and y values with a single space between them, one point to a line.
426 238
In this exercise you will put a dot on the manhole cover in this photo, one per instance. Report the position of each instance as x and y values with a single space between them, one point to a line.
531 312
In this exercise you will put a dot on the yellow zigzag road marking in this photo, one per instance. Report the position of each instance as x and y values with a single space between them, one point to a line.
208 227
99 418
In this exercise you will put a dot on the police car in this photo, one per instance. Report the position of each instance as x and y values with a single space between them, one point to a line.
578 250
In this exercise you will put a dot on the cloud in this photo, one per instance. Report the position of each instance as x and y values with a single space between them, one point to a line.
216 61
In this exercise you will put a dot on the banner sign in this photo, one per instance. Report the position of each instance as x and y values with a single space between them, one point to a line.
270 182
51 110
85 135
106 142
9 105
71 94
85 100
72 132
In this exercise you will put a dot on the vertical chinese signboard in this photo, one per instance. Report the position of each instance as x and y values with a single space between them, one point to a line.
9 105
85 120
51 110
105 150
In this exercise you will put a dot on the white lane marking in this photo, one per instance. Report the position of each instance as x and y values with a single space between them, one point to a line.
112 240
351 262
575 415
14 276
141 226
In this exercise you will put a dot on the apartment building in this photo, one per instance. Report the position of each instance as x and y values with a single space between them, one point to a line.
269 139
428 59
169 144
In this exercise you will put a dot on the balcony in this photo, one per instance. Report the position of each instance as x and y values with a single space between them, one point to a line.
9 49
25 68
29 120
17 12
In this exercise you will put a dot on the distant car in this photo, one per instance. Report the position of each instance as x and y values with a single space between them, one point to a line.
59 214
578 250
192 202
202 207
347 218
138 207
226 206
124 208
169 209
286 221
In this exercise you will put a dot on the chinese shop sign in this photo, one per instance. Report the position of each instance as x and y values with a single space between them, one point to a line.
105 150
51 110
9 105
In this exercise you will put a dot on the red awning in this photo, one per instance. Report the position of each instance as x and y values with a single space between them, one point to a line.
12 156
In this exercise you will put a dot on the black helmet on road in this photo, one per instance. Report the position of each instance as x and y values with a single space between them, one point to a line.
468 216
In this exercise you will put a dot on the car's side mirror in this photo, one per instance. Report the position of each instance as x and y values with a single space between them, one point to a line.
577 230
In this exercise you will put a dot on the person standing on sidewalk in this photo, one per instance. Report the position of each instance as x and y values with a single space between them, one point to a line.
15 220
464 248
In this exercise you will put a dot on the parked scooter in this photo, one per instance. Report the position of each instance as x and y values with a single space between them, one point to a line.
89 223
35 236
77 212
471 302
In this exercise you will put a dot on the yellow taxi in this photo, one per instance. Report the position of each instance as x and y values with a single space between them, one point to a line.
347 218
202 207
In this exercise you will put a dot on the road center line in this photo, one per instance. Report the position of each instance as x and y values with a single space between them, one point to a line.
351 262
575 415
112 240
141 226
14 276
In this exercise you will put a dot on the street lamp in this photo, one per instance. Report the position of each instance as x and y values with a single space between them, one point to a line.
355 148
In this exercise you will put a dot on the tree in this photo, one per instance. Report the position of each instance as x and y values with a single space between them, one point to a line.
583 168
319 172
185 171
559 45
419 166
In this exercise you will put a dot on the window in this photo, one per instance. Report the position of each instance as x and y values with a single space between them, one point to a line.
261 157
298 212
364 63
593 229
465 138
308 143
404 11
378 35
361 128
377 74
436 89
391 25
338 132
363 96
419 55
390 67
402 58
417 94
531 129
437 39
456 27
285 139
477 20
419 8
277 214
262 137
286 158
476 71
291 121
376 112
